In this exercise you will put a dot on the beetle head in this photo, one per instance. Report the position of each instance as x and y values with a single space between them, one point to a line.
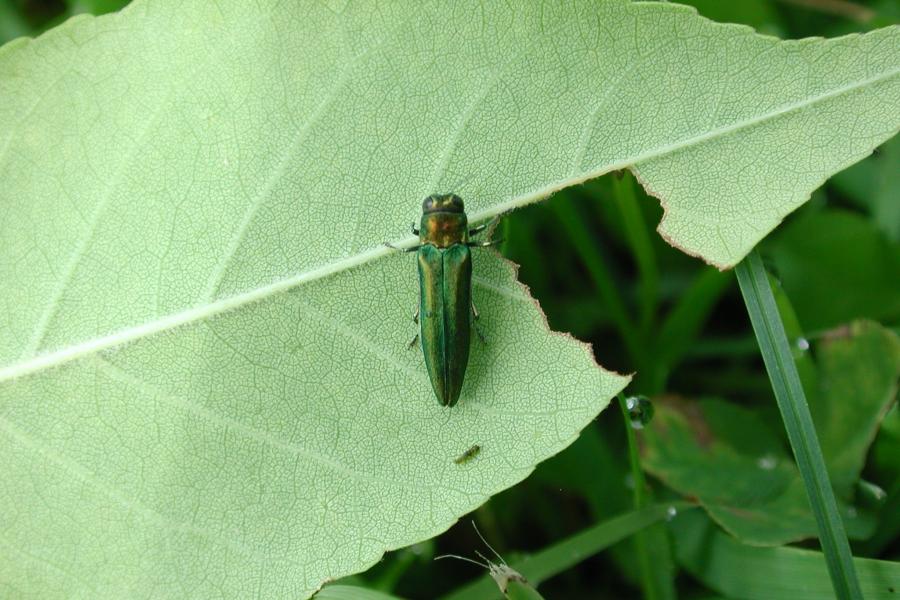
442 203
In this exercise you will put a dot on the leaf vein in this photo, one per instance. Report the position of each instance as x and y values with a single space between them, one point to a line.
259 435
81 247
83 474
174 320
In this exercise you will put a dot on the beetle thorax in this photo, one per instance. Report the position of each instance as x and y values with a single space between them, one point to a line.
443 229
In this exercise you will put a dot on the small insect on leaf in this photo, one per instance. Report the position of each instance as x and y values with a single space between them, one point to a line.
468 455
511 583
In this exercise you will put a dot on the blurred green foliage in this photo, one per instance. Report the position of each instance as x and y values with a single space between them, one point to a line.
33 17
694 446
593 260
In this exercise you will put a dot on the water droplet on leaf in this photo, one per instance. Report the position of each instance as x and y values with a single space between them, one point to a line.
767 462
640 411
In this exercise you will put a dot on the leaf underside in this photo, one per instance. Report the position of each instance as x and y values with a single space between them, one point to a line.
204 381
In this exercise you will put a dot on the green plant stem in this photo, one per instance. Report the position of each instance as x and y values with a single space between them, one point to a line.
637 474
791 400
651 584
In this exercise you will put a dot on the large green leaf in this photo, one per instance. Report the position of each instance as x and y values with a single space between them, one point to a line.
726 456
751 573
204 385
841 256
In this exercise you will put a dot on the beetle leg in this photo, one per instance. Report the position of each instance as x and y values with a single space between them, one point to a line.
390 245
475 317
479 229
483 226
493 242
414 230
416 321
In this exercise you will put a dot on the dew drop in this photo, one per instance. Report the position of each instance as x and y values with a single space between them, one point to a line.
671 512
640 411
802 344
767 462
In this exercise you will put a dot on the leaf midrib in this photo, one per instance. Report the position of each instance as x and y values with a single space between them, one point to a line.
205 311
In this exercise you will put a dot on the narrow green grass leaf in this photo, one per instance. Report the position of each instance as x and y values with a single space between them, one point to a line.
608 292
798 422
352 592
519 590
565 554
638 236
683 323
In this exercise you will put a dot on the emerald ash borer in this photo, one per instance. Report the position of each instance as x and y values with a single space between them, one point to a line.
445 313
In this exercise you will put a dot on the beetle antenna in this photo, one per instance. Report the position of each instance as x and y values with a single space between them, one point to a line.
497 554
486 565
483 557
460 183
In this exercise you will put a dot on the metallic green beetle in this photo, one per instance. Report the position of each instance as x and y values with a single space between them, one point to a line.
445 312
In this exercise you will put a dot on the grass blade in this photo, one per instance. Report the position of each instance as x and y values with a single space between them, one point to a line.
591 253
571 551
788 390
352 592
638 236
683 323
